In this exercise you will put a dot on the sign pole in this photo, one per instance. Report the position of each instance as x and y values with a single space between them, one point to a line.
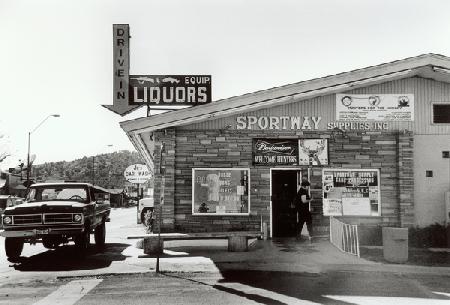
162 172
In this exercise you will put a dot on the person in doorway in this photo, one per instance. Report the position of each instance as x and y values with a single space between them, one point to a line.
302 202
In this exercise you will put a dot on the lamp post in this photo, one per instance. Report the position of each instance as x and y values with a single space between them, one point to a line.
29 140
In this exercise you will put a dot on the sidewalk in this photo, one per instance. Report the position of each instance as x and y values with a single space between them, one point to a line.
122 256
286 255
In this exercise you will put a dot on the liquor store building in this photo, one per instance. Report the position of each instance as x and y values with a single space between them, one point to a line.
373 142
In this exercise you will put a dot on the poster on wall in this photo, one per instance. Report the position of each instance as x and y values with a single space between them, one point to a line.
351 192
313 152
275 152
375 107
220 191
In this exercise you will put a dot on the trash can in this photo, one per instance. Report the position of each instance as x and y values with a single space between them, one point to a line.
395 244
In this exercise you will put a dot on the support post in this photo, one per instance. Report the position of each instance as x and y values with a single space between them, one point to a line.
161 201
28 163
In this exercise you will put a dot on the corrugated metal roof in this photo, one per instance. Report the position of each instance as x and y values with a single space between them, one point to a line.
426 65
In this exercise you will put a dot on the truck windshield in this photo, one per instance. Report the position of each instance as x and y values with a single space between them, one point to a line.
57 193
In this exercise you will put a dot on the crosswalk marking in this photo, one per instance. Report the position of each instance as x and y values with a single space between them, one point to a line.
270 295
372 300
70 293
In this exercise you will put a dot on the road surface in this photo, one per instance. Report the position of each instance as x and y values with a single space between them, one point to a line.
123 275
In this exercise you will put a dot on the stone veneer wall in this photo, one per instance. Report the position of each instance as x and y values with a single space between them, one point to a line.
187 149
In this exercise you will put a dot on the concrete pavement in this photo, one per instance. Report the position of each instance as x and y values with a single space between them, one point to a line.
122 256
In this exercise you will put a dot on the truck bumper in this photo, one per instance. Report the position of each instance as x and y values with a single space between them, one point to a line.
38 233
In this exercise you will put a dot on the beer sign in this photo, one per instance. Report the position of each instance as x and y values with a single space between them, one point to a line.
275 152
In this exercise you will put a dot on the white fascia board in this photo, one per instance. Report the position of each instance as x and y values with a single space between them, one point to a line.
141 148
178 119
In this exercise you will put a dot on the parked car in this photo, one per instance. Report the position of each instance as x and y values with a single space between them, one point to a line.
56 213
145 204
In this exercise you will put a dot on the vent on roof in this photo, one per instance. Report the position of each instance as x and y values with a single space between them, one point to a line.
441 113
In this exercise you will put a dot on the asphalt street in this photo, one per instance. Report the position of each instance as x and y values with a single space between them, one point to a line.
272 272
235 287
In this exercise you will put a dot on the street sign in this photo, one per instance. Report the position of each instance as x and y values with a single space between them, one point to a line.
137 173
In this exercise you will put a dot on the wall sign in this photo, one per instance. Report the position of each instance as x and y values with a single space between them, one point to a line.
313 152
275 151
351 192
278 122
220 191
137 173
379 107
170 90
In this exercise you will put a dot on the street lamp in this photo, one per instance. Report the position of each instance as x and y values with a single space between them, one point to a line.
28 154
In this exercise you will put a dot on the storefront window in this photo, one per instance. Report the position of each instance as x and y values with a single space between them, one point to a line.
351 192
220 191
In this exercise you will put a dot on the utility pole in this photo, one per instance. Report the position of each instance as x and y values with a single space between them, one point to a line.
93 170
162 172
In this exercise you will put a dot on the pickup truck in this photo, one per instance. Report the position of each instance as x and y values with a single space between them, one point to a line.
54 214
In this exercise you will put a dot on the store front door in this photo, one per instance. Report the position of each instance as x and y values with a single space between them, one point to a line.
284 188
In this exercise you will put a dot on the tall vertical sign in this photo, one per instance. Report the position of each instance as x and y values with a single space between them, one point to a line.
121 64
121 69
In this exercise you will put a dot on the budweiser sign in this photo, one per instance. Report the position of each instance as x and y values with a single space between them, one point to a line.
275 151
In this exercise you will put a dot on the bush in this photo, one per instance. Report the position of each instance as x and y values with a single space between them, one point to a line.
434 236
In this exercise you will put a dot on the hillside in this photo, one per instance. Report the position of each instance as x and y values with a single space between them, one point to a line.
105 170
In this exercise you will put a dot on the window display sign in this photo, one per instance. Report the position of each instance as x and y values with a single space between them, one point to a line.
313 152
379 107
275 152
351 192
220 191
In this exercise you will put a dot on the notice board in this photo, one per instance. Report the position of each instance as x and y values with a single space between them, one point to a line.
351 192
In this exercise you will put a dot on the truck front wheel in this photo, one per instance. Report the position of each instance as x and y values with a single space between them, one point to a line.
13 247
83 240
100 235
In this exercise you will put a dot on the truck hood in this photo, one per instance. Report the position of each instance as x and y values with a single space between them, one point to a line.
46 207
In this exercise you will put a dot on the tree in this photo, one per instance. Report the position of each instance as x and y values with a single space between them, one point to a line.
4 148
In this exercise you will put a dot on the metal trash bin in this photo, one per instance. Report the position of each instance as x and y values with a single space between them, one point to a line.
395 244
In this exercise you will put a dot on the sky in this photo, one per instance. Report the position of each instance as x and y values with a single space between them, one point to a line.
56 56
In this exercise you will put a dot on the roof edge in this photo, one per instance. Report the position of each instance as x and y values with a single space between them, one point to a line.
330 81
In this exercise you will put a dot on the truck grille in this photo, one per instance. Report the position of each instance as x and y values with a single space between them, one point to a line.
27 219
57 218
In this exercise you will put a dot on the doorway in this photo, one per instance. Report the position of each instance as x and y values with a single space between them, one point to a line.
284 187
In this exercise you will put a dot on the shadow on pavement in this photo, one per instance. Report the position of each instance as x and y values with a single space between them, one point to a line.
288 287
272 287
66 258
